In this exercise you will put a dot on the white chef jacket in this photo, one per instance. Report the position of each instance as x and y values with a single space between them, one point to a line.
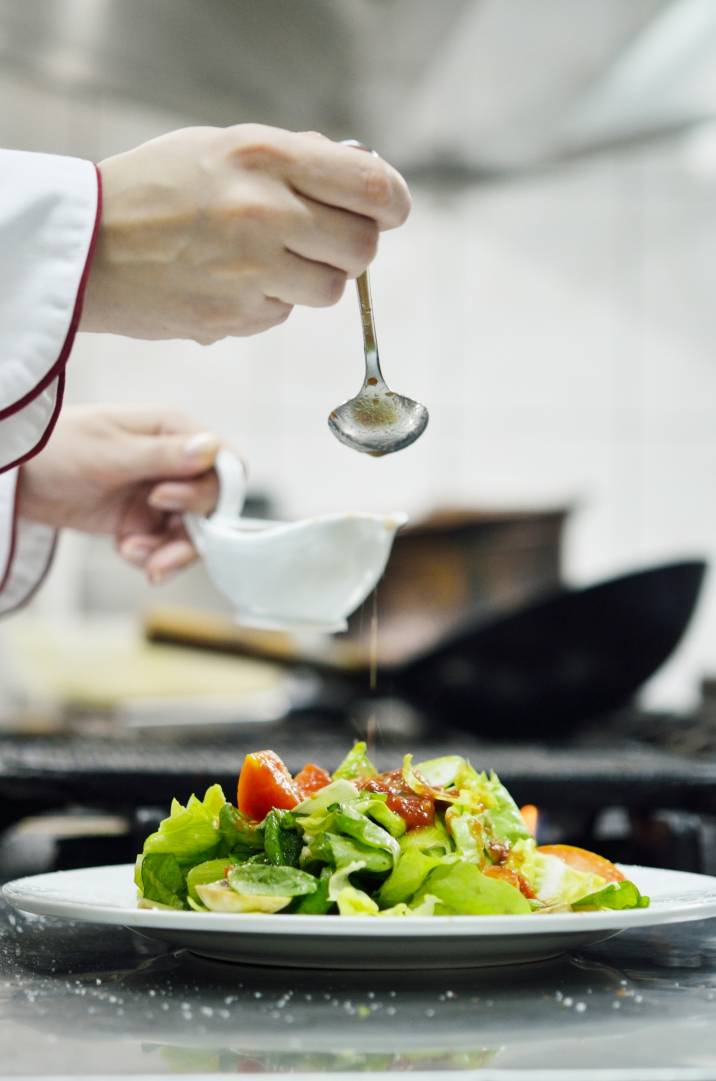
49 215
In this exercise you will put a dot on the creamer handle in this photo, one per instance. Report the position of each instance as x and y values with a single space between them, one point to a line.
232 494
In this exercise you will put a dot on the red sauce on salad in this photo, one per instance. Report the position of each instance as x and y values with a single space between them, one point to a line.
416 811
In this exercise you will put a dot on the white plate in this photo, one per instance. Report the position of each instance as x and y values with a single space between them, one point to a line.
107 895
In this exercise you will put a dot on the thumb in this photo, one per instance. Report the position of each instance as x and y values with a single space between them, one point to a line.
163 455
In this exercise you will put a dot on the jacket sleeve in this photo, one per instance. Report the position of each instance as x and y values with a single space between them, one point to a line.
49 216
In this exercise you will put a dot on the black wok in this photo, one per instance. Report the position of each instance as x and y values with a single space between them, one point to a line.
571 656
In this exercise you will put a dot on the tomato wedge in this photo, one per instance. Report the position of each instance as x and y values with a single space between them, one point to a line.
583 860
264 782
311 779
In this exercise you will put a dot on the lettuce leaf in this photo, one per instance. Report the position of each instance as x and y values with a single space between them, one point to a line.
468 833
463 890
349 820
190 833
434 839
350 900
162 880
617 895
239 832
318 902
374 805
265 880
407 877
282 841
441 772
336 850
486 794
356 764
202 873
425 908
552 880
339 791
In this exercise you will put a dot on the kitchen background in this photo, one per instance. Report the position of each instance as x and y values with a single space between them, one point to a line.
552 298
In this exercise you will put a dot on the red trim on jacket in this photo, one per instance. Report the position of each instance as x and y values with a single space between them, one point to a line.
62 359
44 438
11 554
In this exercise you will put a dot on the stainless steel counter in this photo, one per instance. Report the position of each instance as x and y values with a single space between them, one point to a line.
91 1001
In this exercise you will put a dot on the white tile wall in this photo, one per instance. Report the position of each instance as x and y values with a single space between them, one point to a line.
560 329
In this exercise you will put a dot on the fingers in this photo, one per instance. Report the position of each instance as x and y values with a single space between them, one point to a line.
198 496
169 455
160 555
137 548
169 560
296 280
349 179
334 237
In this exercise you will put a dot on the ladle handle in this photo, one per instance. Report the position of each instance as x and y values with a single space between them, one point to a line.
365 303
232 495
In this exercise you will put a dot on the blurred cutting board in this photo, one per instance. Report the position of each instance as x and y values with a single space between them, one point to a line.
106 667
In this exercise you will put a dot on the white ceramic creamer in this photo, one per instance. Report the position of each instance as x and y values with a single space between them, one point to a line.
306 575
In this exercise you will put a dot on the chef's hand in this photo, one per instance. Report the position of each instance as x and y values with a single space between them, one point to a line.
212 232
128 474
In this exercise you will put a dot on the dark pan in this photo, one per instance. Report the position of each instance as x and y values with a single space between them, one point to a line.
575 655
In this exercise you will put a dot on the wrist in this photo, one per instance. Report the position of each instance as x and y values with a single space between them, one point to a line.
94 308
28 506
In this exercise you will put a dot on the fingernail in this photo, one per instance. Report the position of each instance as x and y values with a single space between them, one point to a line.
159 577
166 501
202 445
136 551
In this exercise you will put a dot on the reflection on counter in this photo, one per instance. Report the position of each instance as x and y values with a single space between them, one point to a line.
77 998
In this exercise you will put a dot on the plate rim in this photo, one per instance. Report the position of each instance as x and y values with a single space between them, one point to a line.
22 894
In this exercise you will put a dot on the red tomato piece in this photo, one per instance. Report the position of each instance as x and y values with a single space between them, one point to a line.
264 782
583 860
311 779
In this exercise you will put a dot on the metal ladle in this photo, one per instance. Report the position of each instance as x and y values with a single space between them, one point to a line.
377 421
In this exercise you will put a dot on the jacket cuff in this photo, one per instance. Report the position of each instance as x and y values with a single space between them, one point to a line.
26 549
43 306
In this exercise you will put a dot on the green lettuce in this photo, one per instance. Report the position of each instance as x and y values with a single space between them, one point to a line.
407 876
356 765
339 791
435 839
238 832
349 820
425 908
282 840
162 880
350 900
441 772
374 805
553 881
339 850
616 895
464 891
202 873
317 903
265 880
468 833
485 793
190 833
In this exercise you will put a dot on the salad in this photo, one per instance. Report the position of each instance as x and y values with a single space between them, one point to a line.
433 839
